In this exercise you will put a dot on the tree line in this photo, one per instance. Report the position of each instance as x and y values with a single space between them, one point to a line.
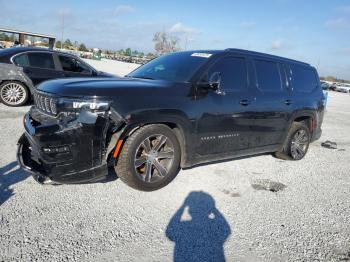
163 43
70 45
7 38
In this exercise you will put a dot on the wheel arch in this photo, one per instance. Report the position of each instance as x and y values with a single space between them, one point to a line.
10 72
15 80
308 116
177 128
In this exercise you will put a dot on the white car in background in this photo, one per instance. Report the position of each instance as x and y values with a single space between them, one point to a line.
343 87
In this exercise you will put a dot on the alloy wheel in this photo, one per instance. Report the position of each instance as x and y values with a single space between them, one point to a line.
154 158
13 93
299 144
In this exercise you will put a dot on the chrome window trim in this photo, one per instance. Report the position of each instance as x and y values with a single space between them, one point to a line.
36 51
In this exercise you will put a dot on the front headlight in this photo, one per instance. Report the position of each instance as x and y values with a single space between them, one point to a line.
76 105
93 105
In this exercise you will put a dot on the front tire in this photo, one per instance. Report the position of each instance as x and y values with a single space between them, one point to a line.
13 93
150 158
296 144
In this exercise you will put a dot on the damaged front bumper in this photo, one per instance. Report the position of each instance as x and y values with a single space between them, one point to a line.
65 153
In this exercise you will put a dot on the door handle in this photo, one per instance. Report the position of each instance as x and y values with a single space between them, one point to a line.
244 102
288 102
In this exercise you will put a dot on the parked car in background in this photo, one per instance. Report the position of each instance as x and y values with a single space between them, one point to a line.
343 87
177 111
328 85
332 86
325 85
23 68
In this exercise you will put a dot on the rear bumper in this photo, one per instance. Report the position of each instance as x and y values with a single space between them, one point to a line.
69 154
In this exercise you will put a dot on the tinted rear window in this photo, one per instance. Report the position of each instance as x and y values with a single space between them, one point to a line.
21 60
304 78
268 75
41 60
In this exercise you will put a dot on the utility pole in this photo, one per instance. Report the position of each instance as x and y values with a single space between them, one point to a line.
62 29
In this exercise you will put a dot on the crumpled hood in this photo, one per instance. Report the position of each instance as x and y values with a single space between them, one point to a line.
98 87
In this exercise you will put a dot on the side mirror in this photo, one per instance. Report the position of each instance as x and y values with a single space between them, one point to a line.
215 80
213 83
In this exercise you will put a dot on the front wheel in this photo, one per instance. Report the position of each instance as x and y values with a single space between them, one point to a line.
297 142
150 158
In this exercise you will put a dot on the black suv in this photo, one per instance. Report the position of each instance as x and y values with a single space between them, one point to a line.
22 68
176 111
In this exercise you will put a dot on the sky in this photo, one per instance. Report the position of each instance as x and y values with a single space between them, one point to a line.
317 32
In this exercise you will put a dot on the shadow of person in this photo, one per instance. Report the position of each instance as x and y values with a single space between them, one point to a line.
200 238
8 177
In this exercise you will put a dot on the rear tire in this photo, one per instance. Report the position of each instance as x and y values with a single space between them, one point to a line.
13 93
296 144
150 158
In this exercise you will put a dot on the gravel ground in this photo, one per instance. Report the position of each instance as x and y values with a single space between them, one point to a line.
265 209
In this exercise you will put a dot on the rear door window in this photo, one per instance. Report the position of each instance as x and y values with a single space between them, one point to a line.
304 78
21 60
41 60
233 72
268 76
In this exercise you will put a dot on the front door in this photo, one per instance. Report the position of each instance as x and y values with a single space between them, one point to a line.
224 123
73 67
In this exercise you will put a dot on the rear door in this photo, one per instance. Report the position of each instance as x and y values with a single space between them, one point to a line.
73 67
41 67
273 105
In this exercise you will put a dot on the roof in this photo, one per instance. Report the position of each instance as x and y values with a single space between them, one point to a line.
242 51
9 52
245 52
26 33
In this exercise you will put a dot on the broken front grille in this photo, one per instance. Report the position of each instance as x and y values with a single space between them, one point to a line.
45 103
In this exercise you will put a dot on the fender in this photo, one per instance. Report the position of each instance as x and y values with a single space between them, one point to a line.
297 114
177 120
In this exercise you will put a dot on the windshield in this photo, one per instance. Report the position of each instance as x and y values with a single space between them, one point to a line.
175 67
